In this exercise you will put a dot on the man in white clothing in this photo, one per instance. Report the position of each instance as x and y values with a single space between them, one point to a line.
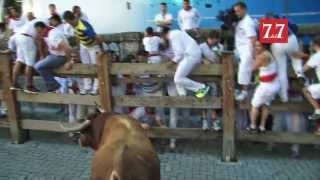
26 54
245 39
187 54
15 22
163 19
188 17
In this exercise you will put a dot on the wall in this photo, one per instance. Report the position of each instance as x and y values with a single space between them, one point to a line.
107 16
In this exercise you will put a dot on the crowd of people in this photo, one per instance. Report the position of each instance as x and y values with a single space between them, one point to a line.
42 45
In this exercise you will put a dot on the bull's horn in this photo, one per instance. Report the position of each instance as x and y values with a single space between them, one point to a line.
76 127
99 109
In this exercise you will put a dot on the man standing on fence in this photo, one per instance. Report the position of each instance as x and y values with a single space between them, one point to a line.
59 50
245 38
163 19
26 55
89 47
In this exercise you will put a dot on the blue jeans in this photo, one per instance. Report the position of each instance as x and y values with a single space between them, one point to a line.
45 68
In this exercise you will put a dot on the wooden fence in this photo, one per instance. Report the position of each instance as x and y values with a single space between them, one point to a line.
105 71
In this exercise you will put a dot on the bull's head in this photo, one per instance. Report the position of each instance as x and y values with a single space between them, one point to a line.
91 130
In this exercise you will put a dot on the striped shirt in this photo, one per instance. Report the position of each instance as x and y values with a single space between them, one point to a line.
85 33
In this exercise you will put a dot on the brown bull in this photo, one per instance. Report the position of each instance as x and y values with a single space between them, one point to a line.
123 151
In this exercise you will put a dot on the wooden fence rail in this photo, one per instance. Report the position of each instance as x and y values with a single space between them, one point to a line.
105 71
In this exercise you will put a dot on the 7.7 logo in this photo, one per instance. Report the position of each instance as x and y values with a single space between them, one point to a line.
273 31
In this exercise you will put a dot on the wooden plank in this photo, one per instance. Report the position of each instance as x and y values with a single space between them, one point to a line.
17 134
165 101
4 123
41 125
183 133
104 81
193 133
280 137
165 133
161 69
51 98
137 79
229 142
278 106
78 70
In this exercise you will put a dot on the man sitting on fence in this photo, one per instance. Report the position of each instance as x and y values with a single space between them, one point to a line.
187 54
60 52
312 92
211 51
90 46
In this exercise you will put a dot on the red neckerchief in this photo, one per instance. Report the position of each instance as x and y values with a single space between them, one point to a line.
14 18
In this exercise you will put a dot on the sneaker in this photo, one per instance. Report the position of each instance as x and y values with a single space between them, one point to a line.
16 87
31 90
252 130
94 92
172 144
216 125
205 125
242 96
262 130
202 92
314 116
83 92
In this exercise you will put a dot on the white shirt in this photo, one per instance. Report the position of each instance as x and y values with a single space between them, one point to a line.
183 45
55 37
84 17
314 62
188 19
211 53
151 44
29 29
244 31
161 17
16 24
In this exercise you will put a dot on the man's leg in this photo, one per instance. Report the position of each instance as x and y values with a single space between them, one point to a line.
16 71
279 52
264 118
183 70
45 69
244 72
309 93
93 52
85 59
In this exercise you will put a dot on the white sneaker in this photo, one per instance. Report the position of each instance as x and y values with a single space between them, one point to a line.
205 125
94 92
172 144
83 92
242 96
216 125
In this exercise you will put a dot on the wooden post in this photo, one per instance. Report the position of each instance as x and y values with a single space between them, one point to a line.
228 147
103 62
17 134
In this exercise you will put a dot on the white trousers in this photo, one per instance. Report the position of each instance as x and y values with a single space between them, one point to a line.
88 55
265 93
12 43
184 68
281 52
245 65
26 50
76 111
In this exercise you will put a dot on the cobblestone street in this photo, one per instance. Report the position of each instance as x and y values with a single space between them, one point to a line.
52 156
